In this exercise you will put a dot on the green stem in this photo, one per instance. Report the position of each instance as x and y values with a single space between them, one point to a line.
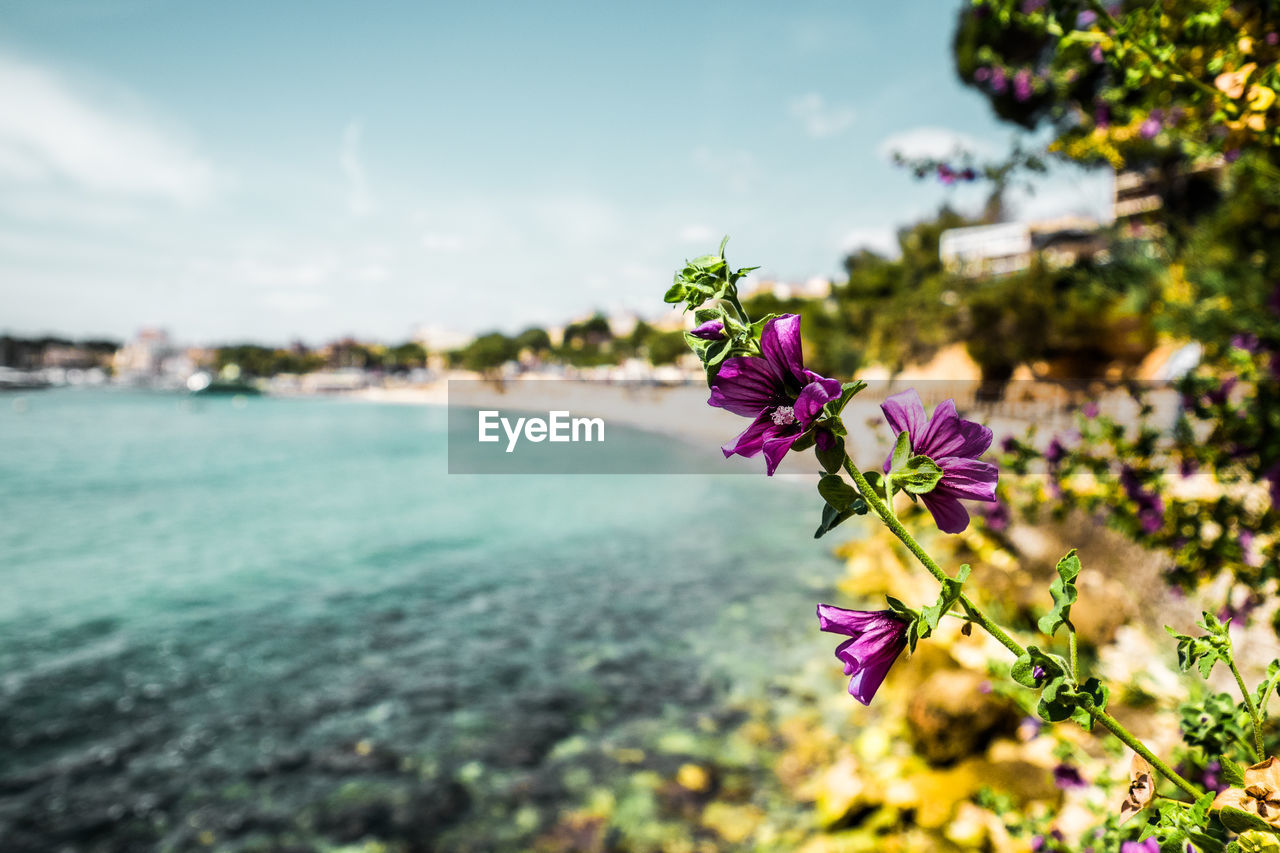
1266 694
1075 657
1112 725
976 615
1258 748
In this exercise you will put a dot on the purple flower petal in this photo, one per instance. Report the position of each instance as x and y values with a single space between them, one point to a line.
877 638
780 345
752 439
947 512
940 434
814 396
971 479
745 386
776 447
904 411
712 330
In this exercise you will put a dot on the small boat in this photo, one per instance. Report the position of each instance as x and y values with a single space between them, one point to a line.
203 384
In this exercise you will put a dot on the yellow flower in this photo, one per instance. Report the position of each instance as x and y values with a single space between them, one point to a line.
1261 98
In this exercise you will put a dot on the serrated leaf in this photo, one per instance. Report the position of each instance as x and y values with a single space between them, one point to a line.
949 595
1232 773
1063 591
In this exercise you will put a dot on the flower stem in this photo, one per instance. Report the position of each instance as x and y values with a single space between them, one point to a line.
1075 655
891 520
1258 747
1112 725
975 614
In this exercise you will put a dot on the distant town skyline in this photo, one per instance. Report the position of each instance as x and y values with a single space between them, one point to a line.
280 172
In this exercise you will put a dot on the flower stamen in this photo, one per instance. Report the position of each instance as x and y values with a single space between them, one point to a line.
784 415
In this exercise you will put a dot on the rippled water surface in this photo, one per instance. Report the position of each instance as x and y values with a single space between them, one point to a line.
223 623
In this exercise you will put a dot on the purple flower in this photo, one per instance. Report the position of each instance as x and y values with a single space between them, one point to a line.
996 516
876 639
1055 452
1022 85
955 445
1067 776
1096 54
1247 341
1085 19
712 330
999 80
1037 672
1149 503
1151 128
981 74
783 398
1090 410
1151 845
1211 780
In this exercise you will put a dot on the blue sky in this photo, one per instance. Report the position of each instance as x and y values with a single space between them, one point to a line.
266 171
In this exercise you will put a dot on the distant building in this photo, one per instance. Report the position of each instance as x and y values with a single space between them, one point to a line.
144 355
986 250
440 339
1009 247
1140 195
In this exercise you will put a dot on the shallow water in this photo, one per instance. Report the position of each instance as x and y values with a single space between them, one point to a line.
222 621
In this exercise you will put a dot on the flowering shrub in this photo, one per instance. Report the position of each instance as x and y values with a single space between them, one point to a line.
755 369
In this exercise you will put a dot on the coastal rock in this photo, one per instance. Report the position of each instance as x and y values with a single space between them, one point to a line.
950 717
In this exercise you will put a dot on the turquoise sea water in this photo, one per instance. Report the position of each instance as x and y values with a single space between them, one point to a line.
219 616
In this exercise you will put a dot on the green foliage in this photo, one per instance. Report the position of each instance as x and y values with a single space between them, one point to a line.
840 503
1063 590
927 622
704 279
1205 650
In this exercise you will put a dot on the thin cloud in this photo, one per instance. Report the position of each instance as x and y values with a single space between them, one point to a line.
819 119
697 234
882 240
359 198
930 142
53 135
439 241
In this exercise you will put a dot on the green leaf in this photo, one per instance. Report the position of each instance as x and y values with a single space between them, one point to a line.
901 452
832 517
675 293
847 391
1024 667
832 459
950 594
1204 651
1064 595
1232 773
837 493
1238 820
918 476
